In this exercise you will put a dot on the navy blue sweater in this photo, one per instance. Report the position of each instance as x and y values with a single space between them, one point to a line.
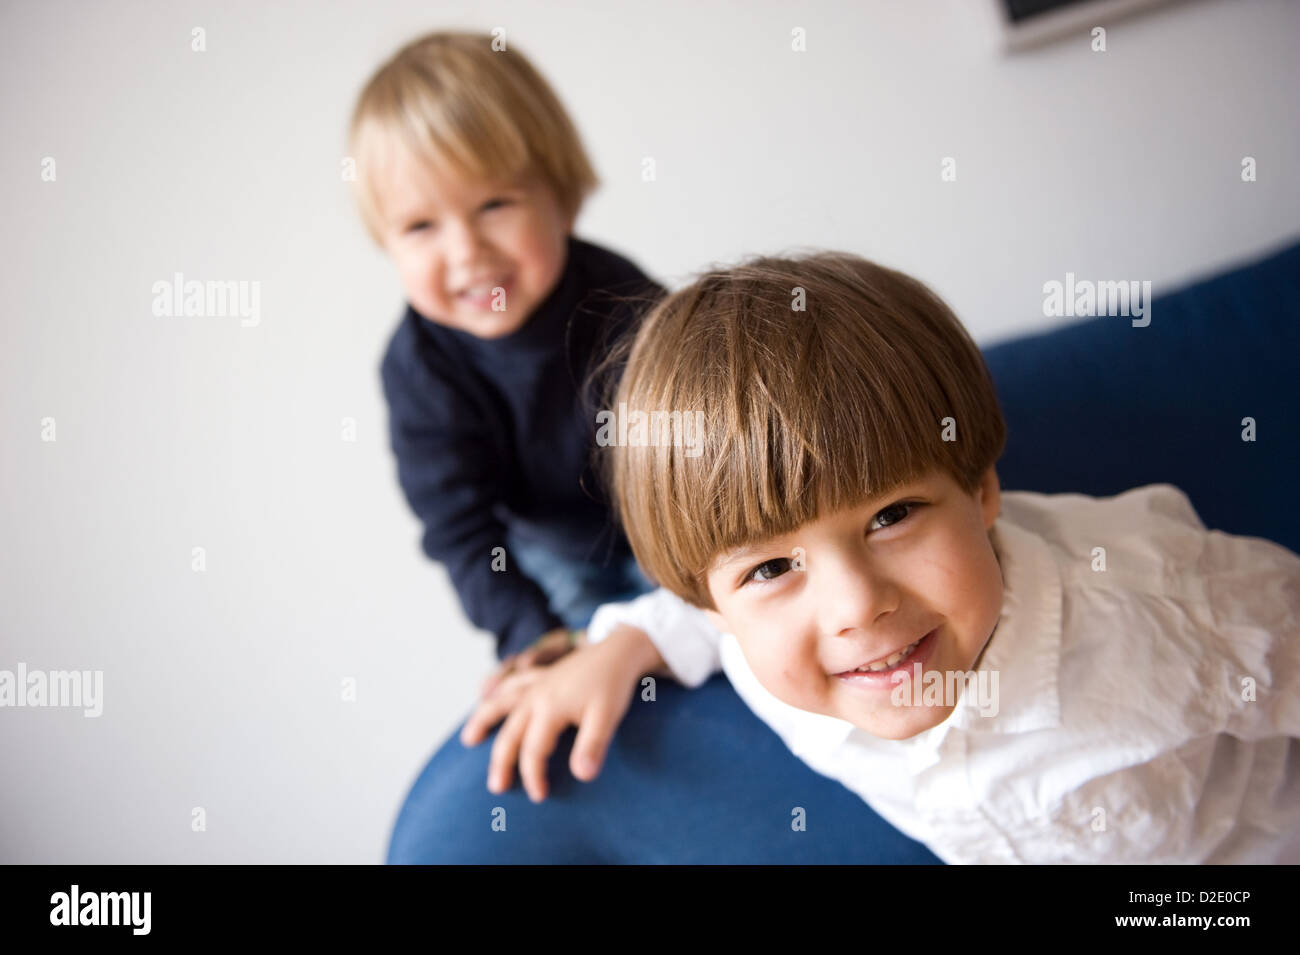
491 434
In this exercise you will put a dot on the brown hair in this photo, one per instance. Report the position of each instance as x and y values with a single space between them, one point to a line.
459 105
805 411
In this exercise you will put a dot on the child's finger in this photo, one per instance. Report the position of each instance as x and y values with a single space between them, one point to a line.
505 750
485 716
595 730
512 665
539 743
491 710
507 667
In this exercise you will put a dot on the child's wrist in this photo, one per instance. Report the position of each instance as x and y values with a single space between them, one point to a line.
552 636
634 645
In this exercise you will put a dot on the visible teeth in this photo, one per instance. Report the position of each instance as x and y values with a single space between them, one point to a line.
889 661
478 291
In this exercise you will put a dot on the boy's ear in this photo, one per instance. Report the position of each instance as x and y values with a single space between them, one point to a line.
989 494
718 621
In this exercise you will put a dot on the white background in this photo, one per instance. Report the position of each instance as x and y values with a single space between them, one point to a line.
222 688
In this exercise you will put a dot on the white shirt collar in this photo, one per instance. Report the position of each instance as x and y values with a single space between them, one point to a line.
1025 651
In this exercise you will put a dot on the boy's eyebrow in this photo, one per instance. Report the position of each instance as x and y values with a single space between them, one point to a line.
405 217
737 554
745 551
408 212
427 208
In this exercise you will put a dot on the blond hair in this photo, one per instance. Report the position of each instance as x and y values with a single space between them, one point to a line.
805 411
460 106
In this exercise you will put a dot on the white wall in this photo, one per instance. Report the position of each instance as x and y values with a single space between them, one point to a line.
222 688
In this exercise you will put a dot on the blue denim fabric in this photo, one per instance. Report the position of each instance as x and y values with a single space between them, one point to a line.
576 588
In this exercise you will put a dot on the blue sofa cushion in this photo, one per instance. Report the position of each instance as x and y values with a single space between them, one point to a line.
1100 406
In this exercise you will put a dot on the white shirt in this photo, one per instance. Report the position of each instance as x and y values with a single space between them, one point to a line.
1121 735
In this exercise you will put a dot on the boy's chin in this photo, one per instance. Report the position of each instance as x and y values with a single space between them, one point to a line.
486 325
900 722
498 328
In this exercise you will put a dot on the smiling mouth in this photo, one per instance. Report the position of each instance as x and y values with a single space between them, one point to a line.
483 290
888 662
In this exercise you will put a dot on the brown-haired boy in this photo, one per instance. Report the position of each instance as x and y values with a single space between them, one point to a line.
1006 677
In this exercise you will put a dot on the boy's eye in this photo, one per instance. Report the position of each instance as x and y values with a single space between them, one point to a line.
495 204
419 225
770 570
893 514
765 571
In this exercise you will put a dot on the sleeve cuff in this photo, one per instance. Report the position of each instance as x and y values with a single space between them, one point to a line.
681 633
525 632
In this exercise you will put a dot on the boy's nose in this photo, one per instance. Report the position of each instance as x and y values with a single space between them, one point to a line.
464 244
852 595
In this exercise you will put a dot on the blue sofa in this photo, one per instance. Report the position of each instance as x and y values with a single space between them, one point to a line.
1095 407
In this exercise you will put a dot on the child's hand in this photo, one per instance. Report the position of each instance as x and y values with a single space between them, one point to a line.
591 688
548 648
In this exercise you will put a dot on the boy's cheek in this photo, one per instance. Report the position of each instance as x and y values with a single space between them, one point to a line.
793 679
983 607
425 296
991 585
766 671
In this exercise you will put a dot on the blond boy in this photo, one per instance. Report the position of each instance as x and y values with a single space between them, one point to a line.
470 177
